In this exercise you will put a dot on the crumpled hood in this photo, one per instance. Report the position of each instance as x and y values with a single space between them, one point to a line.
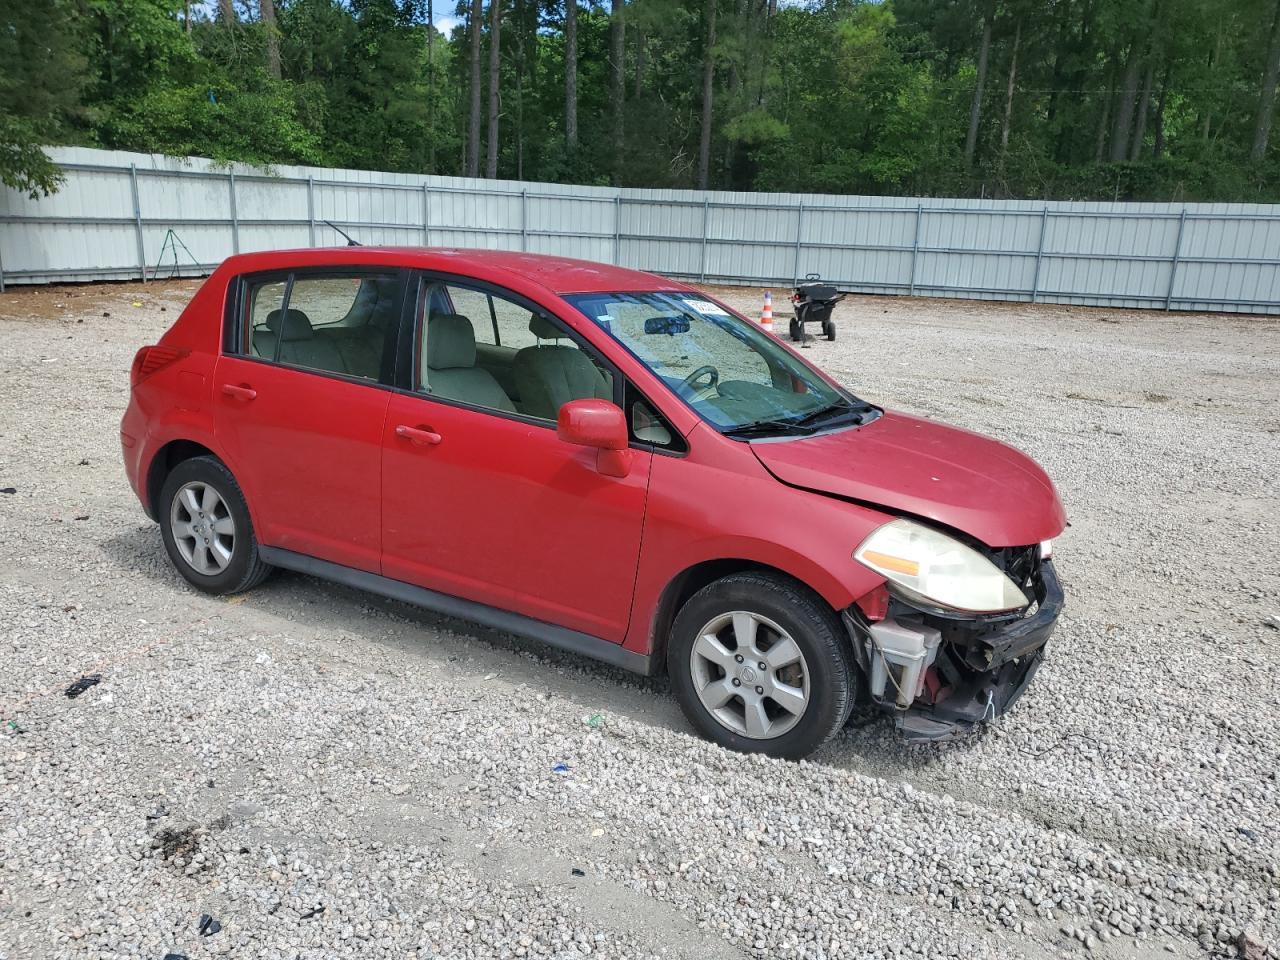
964 480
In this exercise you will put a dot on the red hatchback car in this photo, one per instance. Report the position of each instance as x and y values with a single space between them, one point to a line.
607 461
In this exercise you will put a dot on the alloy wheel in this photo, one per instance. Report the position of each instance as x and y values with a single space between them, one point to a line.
750 674
203 528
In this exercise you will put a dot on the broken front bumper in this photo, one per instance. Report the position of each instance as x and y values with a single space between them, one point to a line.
976 671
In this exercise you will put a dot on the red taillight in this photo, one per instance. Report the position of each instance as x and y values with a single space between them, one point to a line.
150 359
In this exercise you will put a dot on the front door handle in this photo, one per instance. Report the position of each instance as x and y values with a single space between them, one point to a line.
239 392
418 435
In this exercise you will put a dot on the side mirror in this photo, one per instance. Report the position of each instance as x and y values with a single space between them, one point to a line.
599 424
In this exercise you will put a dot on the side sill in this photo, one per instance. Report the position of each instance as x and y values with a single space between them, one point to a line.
562 638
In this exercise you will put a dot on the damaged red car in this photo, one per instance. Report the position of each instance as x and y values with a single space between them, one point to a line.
605 460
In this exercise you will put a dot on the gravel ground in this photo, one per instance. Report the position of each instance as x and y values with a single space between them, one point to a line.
330 775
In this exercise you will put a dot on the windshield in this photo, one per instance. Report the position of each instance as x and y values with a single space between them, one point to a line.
727 369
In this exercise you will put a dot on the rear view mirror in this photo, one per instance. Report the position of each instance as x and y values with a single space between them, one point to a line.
668 324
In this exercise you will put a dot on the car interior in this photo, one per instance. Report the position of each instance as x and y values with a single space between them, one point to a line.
355 344
535 379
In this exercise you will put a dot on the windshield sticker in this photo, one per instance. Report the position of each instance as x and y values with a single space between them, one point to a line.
707 307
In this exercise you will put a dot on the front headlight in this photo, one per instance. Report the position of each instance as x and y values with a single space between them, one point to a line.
930 566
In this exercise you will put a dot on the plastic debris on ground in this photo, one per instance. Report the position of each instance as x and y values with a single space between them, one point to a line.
208 926
83 684
561 768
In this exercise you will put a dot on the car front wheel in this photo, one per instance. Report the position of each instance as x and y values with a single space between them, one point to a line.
206 528
758 664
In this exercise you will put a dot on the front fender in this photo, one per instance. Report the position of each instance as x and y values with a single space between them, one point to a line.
699 512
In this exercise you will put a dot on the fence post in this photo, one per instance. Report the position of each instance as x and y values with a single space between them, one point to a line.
235 219
617 230
137 222
524 219
1 274
795 279
706 222
426 214
1035 279
1177 255
915 250
311 211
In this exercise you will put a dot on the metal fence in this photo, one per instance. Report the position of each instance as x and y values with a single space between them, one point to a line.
113 219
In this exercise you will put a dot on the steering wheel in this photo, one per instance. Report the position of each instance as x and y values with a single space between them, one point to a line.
691 386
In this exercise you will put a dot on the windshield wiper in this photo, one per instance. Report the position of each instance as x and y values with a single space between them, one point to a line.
836 408
768 427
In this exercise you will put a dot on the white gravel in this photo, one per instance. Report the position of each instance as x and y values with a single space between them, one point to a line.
310 747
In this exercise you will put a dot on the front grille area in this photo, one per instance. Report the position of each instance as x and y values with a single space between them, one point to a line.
1022 564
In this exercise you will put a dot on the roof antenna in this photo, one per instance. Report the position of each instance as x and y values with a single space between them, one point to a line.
350 242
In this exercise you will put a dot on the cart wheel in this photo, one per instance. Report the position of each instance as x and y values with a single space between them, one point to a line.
829 328
796 331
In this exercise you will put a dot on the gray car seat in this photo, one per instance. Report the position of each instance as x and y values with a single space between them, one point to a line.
451 369
298 344
549 376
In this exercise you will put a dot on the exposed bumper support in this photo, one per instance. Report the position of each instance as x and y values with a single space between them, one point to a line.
981 670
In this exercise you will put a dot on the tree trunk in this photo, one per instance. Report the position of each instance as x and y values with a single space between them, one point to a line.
1008 94
617 81
227 12
1100 145
1267 102
495 89
186 15
642 61
975 110
571 74
1144 107
431 88
267 13
520 43
1157 150
1124 108
473 125
708 92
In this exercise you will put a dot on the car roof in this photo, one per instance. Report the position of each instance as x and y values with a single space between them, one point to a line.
559 275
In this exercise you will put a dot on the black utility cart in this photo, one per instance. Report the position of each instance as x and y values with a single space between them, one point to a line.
814 301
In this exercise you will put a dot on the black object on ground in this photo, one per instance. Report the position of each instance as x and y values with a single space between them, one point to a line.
83 684
578 872
208 926
175 956
9 490
312 913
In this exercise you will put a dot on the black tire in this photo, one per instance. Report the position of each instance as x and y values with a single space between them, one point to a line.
814 628
245 568
796 330
829 328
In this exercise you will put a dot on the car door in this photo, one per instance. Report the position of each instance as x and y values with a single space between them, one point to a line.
301 394
482 499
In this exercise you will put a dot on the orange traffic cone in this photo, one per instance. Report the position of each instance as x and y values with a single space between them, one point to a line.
766 315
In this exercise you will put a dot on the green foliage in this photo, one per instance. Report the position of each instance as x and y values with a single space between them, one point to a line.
41 76
843 96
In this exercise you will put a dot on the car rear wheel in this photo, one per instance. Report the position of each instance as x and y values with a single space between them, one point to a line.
758 664
206 528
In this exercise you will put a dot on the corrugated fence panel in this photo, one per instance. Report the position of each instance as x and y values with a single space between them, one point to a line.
120 214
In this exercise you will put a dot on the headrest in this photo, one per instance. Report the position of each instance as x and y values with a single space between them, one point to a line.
451 342
289 324
544 329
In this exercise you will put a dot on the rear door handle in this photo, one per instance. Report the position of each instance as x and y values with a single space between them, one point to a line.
239 392
418 435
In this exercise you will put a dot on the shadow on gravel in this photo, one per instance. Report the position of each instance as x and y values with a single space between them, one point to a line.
289 600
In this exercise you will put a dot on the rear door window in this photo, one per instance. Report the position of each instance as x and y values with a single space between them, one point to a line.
335 322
